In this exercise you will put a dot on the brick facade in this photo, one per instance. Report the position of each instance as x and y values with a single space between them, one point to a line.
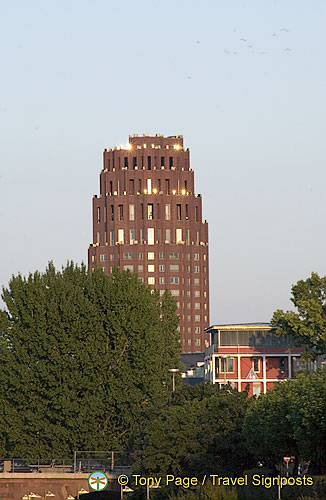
148 219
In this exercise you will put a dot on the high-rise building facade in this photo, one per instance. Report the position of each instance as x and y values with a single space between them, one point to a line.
148 219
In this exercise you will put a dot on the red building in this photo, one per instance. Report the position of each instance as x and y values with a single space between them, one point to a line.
250 354
148 219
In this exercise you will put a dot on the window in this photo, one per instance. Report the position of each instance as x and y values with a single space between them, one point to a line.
188 281
197 293
132 236
142 235
162 292
151 268
102 257
174 267
120 212
162 255
125 162
141 279
188 293
93 258
188 256
188 305
205 256
162 280
197 342
188 317
162 161
98 214
196 256
196 269
98 237
197 329
120 236
187 236
197 305
150 211
111 256
226 364
134 162
149 186
167 236
174 255
168 212
256 364
162 268
256 388
128 256
128 268
150 255
131 212
149 162
167 184
281 365
197 317
112 237
205 269
140 255
112 212
174 280
159 236
150 236
178 233
140 268
175 293
188 329
196 214
170 161
189 342
151 281
178 211
187 209
197 237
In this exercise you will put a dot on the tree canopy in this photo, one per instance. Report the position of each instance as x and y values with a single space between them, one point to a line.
308 325
83 359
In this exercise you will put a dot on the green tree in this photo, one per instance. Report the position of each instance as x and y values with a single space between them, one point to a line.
308 325
83 360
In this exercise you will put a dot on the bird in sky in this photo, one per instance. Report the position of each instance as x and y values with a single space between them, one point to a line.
243 39
284 29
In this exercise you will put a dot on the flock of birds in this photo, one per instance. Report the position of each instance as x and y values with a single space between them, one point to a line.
253 50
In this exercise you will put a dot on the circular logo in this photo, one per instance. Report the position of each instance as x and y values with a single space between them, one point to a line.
98 481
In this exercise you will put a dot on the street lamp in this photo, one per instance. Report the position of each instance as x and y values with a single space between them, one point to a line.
173 371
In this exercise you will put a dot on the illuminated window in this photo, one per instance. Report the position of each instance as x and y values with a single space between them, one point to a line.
150 236
98 238
151 268
178 235
93 258
149 186
131 212
178 211
205 256
168 212
150 211
120 236
150 255
151 281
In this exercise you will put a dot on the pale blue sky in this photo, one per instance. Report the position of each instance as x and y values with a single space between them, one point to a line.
80 76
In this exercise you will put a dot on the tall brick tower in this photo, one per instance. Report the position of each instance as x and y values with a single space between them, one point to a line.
148 219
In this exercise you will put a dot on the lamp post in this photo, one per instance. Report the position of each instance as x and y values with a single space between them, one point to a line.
173 371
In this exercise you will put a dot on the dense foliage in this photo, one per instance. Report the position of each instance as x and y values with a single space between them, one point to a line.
308 325
198 433
290 420
83 359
